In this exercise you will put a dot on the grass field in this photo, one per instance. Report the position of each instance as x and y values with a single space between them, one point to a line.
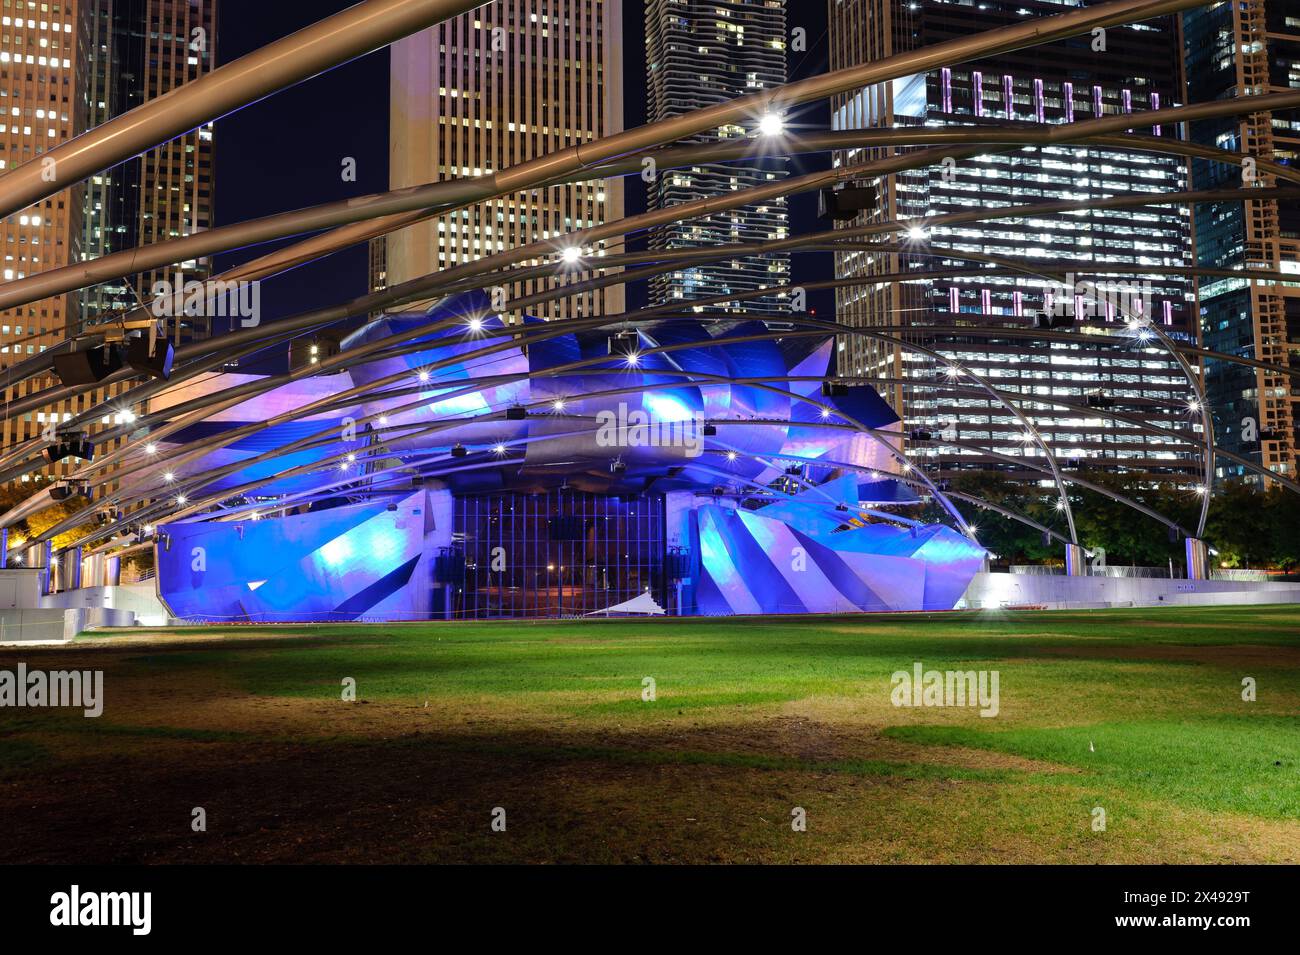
1137 713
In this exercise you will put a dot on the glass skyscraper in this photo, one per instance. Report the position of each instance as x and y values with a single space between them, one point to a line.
1063 82
1247 49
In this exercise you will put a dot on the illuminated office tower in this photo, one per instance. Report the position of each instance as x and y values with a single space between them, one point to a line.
142 49
1248 48
699 53
1063 82
64 68
506 83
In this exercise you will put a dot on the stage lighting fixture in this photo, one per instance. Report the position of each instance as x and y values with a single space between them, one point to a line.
516 413
920 434
1098 399
155 362
70 446
620 343
66 489
88 366
459 451
845 203
710 430
834 389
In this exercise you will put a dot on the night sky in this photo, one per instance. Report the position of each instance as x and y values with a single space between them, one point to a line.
287 151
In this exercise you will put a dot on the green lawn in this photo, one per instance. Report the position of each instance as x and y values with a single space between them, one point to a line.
1137 712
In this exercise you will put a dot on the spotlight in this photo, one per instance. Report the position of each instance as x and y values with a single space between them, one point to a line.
621 343
156 362
476 324
500 449
151 448
1194 405
424 375
70 446
845 203
89 366
571 254
181 499
916 234
169 477
731 455
633 358
66 489
558 404
771 124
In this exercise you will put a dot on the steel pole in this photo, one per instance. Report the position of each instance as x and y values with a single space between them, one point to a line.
357 30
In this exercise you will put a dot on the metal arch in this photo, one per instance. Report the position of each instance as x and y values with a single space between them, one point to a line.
603 321
1010 332
479 383
1007 512
1071 133
323 45
244 82
401 473
419 288
323 465
388 342
413 204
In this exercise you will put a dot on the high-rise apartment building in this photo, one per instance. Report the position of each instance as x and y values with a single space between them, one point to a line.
1126 69
64 68
141 50
506 83
1248 48
698 53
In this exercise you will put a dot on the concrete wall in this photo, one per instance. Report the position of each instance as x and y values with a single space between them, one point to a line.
20 588
21 626
127 604
991 590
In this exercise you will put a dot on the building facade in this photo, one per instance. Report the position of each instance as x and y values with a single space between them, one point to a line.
1126 69
698 53
494 88
1248 49
65 68
141 50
